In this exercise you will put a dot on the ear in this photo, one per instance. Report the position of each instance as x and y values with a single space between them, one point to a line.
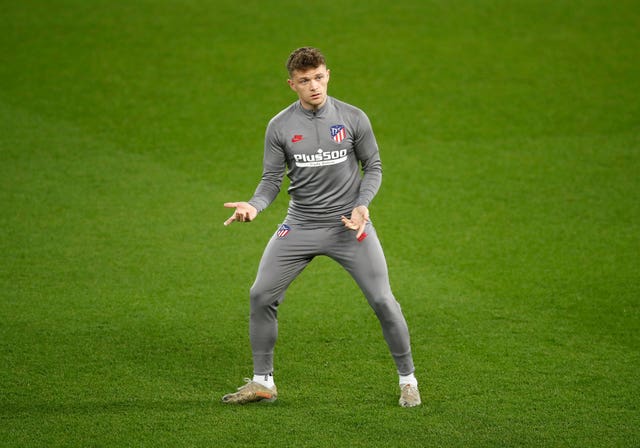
290 82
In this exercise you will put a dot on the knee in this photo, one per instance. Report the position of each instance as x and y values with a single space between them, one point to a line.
262 298
385 305
257 296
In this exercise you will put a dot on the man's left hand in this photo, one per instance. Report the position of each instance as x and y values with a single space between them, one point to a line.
358 221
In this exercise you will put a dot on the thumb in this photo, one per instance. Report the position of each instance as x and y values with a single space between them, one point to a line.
361 230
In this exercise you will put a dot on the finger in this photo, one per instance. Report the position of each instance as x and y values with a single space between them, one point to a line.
230 220
349 224
231 204
361 230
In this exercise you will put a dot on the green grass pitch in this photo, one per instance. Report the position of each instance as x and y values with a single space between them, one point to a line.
509 213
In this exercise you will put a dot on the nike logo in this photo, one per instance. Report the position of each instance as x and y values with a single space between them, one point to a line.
296 138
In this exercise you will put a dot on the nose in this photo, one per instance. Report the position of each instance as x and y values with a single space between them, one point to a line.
314 84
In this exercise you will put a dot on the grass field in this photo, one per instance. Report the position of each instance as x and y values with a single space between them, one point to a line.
509 213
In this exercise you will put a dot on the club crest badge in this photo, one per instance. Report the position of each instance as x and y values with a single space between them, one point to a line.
283 231
338 132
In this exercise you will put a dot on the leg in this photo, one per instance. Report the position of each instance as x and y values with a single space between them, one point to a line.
366 263
283 259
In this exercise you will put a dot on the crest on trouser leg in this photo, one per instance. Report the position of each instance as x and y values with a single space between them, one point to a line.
283 231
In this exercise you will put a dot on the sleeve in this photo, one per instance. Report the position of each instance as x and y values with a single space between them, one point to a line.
367 152
273 170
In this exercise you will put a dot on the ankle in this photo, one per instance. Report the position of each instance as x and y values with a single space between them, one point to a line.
408 379
264 379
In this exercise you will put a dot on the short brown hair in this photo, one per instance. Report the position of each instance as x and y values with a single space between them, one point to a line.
304 58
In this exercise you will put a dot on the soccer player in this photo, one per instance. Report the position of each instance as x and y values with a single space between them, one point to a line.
329 152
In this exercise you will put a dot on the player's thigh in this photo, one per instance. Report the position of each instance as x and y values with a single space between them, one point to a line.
283 259
364 260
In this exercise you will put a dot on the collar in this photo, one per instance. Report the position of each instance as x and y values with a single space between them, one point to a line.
318 113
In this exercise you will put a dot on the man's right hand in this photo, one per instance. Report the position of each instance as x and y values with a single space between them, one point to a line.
244 212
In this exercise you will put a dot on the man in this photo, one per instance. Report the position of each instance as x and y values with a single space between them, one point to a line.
322 143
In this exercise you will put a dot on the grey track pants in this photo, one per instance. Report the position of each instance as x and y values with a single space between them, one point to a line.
286 256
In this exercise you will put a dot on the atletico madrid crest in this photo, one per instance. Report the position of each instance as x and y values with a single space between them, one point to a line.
338 132
283 231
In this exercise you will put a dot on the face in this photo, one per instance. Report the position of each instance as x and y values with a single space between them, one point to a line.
311 86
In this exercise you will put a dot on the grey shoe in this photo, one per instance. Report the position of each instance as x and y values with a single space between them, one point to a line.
409 396
251 392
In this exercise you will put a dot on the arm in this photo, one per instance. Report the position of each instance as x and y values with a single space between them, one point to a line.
366 149
273 168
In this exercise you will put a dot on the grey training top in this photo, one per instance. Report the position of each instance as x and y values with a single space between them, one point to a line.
321 151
